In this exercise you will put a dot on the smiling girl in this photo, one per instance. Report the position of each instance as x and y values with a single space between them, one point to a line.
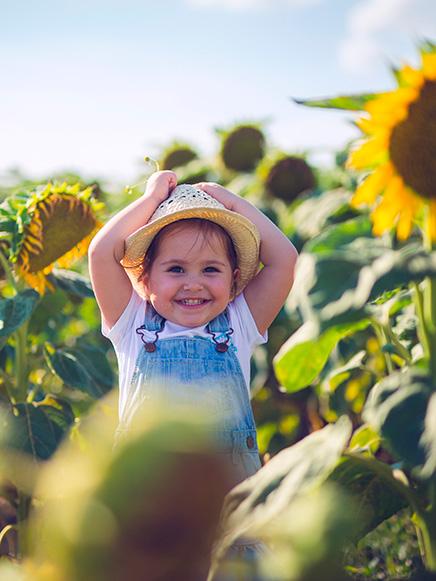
176 276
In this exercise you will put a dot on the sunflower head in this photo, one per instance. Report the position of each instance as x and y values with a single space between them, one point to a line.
49 226
242 147
286 176
177 154
398 150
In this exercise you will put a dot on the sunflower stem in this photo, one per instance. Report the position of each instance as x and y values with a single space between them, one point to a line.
8 272
419 307
383 339
429 301
21 370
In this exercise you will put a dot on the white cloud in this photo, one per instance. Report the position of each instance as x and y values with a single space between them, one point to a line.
240 5
375 28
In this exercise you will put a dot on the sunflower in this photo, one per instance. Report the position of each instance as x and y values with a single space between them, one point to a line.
177 154
399 151
286 176
53 224
242 147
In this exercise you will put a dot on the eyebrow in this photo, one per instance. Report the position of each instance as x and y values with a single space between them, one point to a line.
180 261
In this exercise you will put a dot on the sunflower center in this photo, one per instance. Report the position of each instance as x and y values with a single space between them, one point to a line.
413 144
65 226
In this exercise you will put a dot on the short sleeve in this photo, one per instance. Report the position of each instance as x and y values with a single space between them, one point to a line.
126 320
245 324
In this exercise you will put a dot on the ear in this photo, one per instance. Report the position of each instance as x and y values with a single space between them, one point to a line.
144 280
236 275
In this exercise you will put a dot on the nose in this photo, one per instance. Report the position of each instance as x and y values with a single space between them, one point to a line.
193 284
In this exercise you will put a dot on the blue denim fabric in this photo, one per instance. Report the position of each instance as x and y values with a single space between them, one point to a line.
189 371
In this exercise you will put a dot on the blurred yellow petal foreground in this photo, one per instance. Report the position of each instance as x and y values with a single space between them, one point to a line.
61 223
399 151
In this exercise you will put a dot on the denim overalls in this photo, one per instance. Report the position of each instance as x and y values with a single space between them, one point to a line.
198 371
201 371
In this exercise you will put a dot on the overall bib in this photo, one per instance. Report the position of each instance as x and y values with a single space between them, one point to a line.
200 371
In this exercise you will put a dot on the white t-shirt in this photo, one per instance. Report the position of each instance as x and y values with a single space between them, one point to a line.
127 342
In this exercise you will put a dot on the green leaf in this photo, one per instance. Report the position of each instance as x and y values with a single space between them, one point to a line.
398 407
373 486
342 373
59 411
311 216
325 284
35 429
343 102
428 439
338 288
304 355
16 311
257 501
339 235
73 283
86 369
365 438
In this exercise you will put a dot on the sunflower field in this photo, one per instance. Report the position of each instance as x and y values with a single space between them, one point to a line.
344 392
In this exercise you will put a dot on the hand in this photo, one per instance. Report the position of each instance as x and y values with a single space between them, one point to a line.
226 197
160 184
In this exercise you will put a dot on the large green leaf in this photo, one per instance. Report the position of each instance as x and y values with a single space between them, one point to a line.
85 368
372 484
339 235
343 102
304 355
73 283
428 440
311 216
398 407
257 501
36 428
338 288
59 411
16 311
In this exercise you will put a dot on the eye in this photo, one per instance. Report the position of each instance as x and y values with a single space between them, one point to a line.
176 269
211 269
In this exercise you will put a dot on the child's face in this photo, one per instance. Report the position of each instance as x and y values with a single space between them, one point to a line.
190 281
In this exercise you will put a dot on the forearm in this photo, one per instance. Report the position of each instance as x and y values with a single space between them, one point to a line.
110 239
275 249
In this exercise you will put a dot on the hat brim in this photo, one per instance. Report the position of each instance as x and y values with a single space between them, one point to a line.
243 232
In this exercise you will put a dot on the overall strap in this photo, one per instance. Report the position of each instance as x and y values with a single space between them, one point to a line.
220 324
153 323
220 330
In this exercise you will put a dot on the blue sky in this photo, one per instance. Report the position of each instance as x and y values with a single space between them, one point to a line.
92 86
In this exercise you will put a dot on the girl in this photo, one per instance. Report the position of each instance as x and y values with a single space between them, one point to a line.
176 276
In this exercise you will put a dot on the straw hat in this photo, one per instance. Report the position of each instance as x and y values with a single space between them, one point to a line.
184 202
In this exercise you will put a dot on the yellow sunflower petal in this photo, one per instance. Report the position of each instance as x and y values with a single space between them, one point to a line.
411 76
368 125
429 65
373 185
410 207
385 214
370 152
432 220
387 104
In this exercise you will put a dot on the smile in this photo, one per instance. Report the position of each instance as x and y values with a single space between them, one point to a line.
192 302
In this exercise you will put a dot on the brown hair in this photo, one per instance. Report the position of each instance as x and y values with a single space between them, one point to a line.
205 228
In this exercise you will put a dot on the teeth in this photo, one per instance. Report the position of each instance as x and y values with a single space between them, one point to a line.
192 301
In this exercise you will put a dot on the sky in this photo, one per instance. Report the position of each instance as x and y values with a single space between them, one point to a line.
92 86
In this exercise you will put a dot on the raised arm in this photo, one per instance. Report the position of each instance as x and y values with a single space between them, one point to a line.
111 284
267 292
